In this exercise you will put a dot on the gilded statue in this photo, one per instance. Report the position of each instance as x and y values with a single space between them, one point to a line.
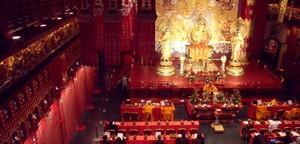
200 51
238 30
237 45
166 42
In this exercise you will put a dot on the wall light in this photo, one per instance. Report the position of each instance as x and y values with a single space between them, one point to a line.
16 37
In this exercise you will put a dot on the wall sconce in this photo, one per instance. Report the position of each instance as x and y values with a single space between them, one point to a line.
34 117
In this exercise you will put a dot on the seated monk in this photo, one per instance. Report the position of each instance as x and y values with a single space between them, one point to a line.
209 88
147 112
167 112
291 114
273 102
262 112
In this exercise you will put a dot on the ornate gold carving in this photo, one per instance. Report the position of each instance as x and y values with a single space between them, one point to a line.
15 66
181 16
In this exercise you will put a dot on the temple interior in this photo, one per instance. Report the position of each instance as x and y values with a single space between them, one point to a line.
81 71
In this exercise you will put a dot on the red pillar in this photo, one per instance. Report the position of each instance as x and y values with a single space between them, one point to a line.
146 33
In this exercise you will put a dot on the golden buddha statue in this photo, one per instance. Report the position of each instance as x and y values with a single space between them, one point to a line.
200 36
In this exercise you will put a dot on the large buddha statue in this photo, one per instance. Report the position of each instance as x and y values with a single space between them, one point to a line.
200 51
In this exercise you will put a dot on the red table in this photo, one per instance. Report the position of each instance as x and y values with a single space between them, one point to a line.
130 108
152 139
274 109
140 126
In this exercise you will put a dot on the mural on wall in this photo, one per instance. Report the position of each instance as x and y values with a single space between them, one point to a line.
182 15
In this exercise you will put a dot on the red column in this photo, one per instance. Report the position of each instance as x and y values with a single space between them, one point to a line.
145 34
249 17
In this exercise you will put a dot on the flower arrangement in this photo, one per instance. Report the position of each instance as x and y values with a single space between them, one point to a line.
236 96
195 97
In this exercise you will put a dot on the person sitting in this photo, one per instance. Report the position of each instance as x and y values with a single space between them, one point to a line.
199 139
273 126
159 141
147 112
119 141
182 139
104 140
291 114
209 88
246 130
167 112
260 138
287 139
112 126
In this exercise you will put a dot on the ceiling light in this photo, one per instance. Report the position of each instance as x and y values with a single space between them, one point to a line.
59 18
16 37
71 13
43 25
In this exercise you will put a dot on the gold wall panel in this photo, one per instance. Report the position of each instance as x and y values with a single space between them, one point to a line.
182 15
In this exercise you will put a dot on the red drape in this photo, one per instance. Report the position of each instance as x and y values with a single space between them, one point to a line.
49 130
61 122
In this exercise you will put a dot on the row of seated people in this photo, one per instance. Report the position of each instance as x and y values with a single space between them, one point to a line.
167 113
273 127
262 112
181 139
264 137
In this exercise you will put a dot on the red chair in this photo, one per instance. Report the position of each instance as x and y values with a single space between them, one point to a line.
160 130
147 132
133 132
126 116
112 132
181 131
134 116
170 131
193 131
124 132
